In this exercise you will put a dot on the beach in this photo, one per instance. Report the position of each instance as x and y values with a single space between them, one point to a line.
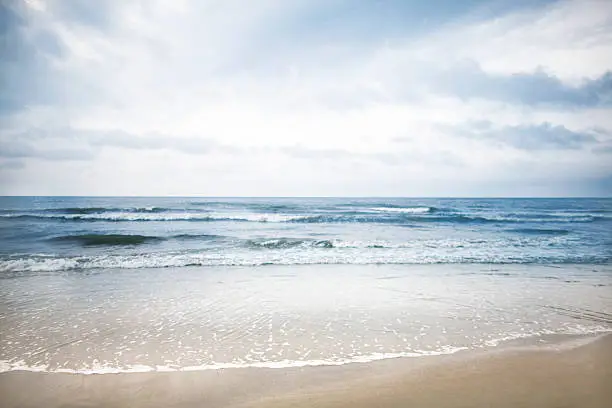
574 373
307 204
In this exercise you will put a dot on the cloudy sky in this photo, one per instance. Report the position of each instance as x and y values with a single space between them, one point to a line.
306 97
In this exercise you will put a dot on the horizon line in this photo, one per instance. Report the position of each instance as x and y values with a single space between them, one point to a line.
313 196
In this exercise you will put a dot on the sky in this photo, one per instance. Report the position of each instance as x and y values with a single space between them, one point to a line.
306 97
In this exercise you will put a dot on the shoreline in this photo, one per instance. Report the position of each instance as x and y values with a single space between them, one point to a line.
574 372
528 342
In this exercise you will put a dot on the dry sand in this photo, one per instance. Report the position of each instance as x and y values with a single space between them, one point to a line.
546 377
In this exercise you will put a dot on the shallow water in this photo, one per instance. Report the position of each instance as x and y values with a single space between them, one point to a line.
215 317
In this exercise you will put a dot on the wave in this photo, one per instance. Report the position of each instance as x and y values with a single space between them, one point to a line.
204 237
539 231
100 210
129 239
309 243
106 239
407 210
588 334
151 216
280 243
383 215
94 239
356 256
6 366
451 218
118 217
263 207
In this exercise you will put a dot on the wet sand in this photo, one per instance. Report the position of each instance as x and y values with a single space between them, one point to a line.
549 376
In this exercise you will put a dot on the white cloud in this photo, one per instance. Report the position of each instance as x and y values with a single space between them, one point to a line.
569 39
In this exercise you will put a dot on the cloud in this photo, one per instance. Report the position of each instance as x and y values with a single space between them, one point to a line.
135 94
538 88
19 149
570 39
544 136
120 139
42 143
11 164
603 149
303 152
388 158
25 75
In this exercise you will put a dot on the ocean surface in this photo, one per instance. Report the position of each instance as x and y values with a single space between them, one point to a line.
139 284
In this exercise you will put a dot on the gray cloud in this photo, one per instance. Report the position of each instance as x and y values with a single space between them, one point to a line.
539 88
544 136
26 75
86 144
603 149
11 164
387 158
94 14
22 150
189 145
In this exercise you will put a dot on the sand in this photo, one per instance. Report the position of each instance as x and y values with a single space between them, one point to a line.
560 376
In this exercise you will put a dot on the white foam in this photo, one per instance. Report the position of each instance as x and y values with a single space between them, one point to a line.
572 331
409 210
348 253
169 216
253 217
272 257
96 368
38 264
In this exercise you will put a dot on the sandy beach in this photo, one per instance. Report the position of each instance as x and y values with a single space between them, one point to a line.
575 374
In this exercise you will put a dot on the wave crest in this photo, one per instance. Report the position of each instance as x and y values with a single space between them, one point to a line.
353 256
406 210
106 239
281 243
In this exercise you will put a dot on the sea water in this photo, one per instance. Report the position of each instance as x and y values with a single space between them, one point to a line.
139 284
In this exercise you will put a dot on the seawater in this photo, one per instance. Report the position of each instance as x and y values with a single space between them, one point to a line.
139 284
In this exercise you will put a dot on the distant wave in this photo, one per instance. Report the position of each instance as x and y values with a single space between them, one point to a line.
260 207
442 218
407 210
100 210
356 218
539 231
127 216
383 215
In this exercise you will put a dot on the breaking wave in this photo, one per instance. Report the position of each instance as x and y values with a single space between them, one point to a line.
383 215
406 210
355 256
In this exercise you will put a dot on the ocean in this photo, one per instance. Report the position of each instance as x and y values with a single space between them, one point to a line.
102 285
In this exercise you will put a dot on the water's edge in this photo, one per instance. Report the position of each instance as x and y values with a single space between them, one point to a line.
548 342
